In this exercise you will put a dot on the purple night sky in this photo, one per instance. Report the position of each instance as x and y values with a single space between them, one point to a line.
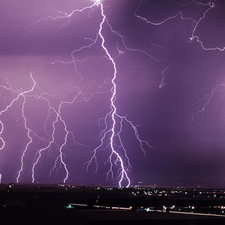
56 87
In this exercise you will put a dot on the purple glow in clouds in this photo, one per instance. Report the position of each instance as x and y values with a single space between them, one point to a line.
88 87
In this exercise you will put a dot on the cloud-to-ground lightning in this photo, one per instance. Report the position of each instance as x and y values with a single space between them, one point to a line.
112 120
115 159
112 114
78 80
20 94
57 111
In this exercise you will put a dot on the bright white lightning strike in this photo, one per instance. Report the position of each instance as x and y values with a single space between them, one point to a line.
97 1
96 55
111 120
123 173
2 140
9 106
110 129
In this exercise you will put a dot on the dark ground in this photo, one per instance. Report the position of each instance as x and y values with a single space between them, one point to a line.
63 216
46 205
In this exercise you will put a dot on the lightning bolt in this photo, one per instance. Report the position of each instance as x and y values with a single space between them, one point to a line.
2 140
58 118
180 14
112 123
207 99
21 94
210 6
110 136
115 159
30 132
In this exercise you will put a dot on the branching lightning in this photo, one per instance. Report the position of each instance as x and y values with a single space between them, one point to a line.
207 99
21 94
110 140
209 6
111 119
110 129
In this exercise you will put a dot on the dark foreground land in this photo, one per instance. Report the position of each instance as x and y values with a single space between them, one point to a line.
100 217
82 205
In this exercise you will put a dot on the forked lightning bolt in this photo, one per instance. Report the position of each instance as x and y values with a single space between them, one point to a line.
21 94
115 159
193 37
207 99
109 137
